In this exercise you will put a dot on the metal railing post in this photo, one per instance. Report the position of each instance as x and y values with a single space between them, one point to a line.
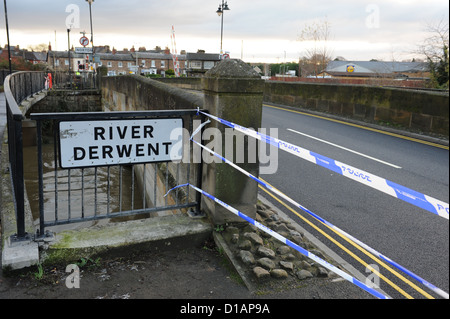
18 177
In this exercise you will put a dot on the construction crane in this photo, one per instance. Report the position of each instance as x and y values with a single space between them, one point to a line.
176 63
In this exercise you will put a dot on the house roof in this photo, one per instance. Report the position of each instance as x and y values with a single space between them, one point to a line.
374 67
203 56
157 56
64 54
116 57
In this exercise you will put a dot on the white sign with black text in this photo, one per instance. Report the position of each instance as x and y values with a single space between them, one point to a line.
102 143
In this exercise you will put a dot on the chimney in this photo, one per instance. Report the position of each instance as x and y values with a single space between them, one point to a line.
114 51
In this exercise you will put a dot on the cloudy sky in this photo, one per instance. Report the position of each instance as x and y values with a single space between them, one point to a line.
263 30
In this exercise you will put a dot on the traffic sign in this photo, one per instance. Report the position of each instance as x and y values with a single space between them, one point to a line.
84 41
83 50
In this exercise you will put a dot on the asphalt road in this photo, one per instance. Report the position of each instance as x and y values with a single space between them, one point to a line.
412 237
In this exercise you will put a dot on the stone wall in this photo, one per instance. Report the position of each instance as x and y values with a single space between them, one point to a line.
68 101
136 93
183 83
55 101
418 110
122 93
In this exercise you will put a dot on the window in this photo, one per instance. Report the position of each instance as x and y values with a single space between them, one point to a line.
120 65
143 63
209 65
130 64
109 64
153 64
163 64
195 64
57 63
66 62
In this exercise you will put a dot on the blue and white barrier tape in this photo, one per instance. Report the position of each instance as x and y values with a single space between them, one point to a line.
286 241
293 202
428 203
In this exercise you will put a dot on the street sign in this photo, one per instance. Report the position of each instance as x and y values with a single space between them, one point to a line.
83 50
103 143
84 41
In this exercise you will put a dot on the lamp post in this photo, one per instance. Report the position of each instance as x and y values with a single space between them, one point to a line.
222 8
92 30
7 35
68 48
92 36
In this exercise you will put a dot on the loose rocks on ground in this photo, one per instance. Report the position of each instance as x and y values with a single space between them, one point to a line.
268 262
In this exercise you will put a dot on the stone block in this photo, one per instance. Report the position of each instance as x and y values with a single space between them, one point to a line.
232 91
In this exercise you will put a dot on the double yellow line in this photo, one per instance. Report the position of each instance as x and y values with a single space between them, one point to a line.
364 251
401 291
363 127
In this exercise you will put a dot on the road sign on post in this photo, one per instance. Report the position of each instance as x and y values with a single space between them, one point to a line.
84 41
83 50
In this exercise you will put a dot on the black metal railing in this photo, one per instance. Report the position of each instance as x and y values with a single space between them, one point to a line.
75 80
85 194
19 86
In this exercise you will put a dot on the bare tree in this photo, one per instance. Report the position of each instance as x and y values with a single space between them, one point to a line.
38 47
435 49
319 54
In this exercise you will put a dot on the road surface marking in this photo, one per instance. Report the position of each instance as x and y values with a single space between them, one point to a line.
344 148
363 127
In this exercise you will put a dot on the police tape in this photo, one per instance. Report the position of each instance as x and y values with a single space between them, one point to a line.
415 198
291 244
296 204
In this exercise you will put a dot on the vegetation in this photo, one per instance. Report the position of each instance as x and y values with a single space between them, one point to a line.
435 49
318 53
20 64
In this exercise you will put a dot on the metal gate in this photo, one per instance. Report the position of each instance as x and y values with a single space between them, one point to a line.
96 191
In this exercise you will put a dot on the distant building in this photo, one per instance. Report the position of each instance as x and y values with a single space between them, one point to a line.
158 63
199 63
132 61
59 61
21 56
117 63
376 69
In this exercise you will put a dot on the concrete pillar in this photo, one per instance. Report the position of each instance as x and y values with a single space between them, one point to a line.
233 91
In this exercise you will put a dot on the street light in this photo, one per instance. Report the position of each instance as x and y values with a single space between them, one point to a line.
92 30
92 37
7 35
68 47
222 8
